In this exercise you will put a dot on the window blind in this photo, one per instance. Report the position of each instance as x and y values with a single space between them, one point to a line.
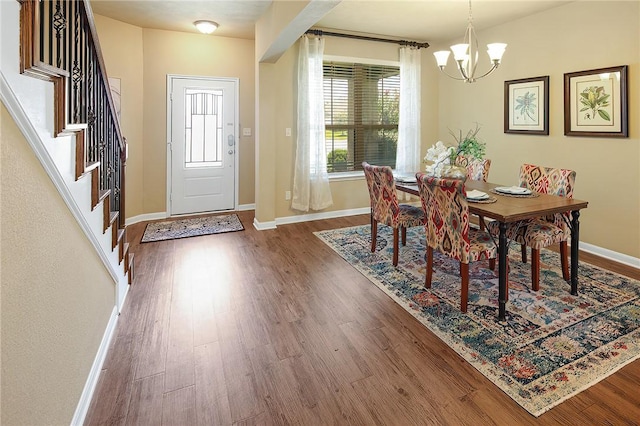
361 114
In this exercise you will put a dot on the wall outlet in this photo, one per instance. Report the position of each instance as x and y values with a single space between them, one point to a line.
287 131
246 131
287 195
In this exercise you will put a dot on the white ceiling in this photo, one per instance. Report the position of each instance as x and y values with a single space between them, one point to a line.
419 20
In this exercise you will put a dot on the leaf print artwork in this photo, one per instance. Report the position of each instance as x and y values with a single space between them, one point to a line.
526 106
594 101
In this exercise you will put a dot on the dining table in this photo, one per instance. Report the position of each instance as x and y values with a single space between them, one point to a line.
508 209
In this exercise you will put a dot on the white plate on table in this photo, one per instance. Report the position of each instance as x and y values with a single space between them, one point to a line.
476 195
406 179
513 190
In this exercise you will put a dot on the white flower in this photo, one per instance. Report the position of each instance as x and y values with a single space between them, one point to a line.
439 153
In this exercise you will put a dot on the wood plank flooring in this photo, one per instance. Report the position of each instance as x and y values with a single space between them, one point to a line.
274 328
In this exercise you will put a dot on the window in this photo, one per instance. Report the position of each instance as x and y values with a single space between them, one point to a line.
361 106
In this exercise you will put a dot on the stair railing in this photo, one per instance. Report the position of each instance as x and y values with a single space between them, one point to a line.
59 43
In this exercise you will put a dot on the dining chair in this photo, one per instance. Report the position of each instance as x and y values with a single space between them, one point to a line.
447 229
477 169
385 208
543 231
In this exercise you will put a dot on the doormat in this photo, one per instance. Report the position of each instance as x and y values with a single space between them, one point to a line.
552 346
195 227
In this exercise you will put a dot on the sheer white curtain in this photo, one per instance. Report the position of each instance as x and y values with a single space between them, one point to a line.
408 152
310 181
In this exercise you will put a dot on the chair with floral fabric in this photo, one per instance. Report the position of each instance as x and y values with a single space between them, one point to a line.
385 208
543 231
476 170
447 229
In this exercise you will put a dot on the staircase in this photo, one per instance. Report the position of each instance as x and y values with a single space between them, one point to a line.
59 44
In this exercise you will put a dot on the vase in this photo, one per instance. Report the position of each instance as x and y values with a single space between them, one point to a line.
446 171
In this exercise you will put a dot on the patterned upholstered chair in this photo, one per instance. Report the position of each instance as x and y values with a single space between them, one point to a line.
385 208
544 231
476 170
447 228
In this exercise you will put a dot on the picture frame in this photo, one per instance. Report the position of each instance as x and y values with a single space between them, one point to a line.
596 103
526 106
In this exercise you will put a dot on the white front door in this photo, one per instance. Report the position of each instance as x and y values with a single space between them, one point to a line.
202 144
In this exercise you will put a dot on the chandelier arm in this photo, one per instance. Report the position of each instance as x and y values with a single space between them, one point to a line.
492 69
463 72
450 76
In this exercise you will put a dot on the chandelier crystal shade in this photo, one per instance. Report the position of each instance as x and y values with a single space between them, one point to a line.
466 55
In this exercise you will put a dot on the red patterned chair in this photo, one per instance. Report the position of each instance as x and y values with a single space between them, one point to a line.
385 208
476 170
544 231
447 228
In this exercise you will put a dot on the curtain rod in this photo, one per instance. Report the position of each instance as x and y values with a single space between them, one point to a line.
368 38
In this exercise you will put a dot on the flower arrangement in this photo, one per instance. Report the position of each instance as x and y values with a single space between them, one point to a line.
443 157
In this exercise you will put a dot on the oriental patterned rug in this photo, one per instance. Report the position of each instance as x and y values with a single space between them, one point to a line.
193 227
552 346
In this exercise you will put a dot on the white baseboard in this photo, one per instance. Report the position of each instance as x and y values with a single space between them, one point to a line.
263 226
319 216
94 373
163 215
245 207
611 255
145 217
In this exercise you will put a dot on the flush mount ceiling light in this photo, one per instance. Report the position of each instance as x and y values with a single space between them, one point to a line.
206 27
466 55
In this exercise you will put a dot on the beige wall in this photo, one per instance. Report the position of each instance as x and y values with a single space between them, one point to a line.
168 52
57 296
121 46
142 58
553 43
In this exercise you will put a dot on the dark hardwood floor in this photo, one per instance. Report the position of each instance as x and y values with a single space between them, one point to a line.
273 327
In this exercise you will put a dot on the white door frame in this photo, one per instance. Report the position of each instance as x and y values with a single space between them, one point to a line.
236 184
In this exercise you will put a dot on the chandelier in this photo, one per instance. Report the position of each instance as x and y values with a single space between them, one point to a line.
466 55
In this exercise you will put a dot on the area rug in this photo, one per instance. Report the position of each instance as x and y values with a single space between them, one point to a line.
183 228
552 345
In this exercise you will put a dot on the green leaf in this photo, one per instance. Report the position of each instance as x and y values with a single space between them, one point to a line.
584 109
604 115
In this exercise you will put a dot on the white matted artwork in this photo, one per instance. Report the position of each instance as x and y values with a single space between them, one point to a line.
595 102
526 106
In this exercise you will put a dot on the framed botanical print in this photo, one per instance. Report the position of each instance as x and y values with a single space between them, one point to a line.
526 106
595 103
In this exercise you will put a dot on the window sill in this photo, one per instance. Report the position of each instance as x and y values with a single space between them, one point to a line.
336 177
